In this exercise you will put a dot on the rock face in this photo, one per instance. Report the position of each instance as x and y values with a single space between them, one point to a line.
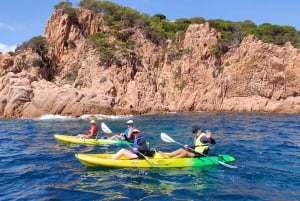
254 76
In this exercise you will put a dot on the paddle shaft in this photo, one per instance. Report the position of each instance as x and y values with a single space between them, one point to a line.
191 149
153 164
169 139
107 130
188 147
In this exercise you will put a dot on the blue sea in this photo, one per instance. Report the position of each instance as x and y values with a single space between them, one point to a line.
34 166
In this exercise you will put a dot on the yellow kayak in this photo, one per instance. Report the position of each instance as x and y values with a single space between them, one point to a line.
104 160
69 139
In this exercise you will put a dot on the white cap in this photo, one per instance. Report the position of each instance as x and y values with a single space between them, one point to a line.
129 122
92 121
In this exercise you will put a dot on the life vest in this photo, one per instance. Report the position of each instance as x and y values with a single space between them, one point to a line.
199 146
126 132
141 146
92 127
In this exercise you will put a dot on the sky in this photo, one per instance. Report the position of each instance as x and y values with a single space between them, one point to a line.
20 20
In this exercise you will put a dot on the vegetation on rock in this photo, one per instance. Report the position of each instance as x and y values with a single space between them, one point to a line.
158 29
39 45
124 21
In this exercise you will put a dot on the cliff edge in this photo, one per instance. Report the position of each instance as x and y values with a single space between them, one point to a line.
174 76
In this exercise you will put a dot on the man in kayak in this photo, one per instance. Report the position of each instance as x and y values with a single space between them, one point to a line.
138 149
127 135
92 132
201 147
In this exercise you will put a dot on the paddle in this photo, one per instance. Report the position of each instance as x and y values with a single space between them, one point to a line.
167 138
107 130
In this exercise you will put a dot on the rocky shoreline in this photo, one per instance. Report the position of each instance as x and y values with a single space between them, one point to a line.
253 77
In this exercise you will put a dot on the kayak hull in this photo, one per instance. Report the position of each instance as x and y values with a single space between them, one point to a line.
104 160
68 139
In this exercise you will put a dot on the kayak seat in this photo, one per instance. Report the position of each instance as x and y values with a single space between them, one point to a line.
150 152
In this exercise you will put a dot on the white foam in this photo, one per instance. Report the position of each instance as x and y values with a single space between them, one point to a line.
84 116
52 116
112 117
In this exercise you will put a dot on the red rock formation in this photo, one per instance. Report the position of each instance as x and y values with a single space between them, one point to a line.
254 76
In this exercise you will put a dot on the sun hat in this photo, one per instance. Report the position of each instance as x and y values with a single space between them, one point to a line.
135 131
129 122
92 121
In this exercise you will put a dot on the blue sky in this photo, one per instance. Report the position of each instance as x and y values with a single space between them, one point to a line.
20 20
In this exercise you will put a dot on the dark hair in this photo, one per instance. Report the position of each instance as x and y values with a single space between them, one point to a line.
195 130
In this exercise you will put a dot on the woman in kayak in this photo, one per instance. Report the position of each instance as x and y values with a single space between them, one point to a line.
201 147
138 149
92 132
127 135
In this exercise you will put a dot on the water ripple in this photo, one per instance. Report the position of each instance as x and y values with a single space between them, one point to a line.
266 147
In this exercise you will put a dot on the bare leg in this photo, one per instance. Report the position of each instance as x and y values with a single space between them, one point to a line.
116 137
184 154
112 137
82 136
124 152
176 152
179 153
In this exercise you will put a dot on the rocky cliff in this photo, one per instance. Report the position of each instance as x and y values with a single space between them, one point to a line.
180 75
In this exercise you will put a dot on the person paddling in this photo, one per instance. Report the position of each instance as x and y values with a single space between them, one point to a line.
91 133
200 148
127 135
138 149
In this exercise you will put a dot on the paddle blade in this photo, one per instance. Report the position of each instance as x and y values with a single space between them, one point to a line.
105 128
227 165
166 138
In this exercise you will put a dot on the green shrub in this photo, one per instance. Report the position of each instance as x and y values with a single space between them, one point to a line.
38 63
12 53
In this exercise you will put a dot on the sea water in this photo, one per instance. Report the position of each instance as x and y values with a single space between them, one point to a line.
266 147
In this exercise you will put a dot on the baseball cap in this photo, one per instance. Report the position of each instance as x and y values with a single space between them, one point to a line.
129 122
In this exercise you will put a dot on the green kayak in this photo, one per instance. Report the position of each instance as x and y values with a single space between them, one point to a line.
68 139
104 160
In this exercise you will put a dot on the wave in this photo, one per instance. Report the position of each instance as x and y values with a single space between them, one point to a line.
112 117
84 116
52 116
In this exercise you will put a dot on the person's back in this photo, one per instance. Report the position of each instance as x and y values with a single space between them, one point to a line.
127 135
138 149
140 143
128 132
92 132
